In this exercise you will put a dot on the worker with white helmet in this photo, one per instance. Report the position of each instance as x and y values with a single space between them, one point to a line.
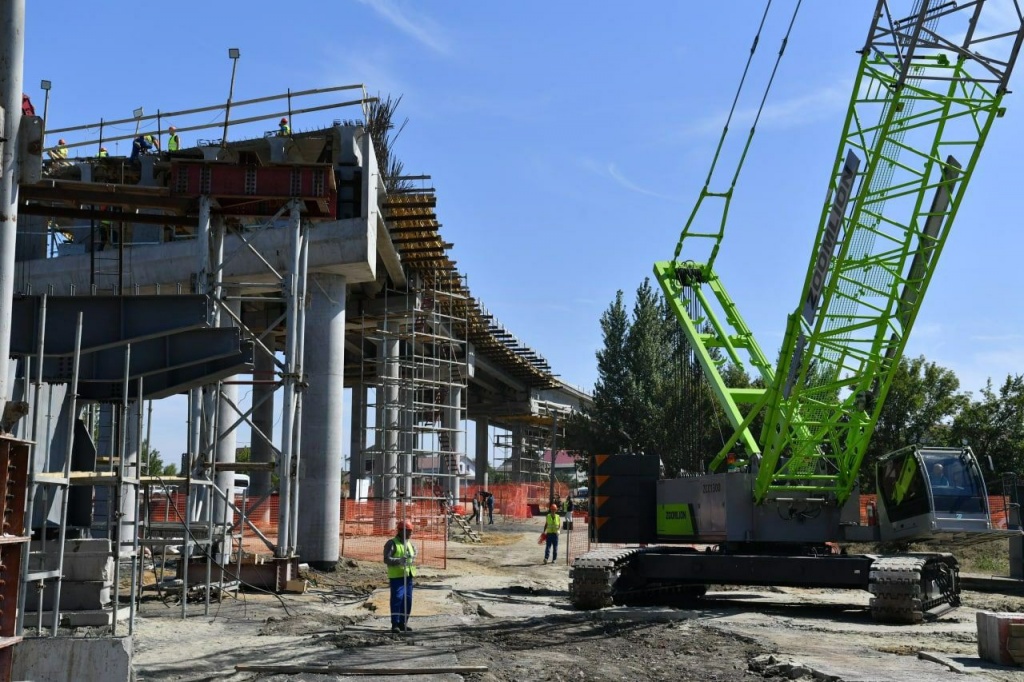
173 141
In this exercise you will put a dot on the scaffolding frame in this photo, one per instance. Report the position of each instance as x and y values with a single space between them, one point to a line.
419 374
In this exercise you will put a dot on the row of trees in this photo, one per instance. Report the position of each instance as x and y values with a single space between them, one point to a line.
650 397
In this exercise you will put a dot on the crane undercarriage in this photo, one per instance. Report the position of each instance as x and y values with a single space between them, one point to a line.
904 588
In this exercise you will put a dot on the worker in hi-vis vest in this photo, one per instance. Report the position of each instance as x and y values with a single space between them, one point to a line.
173 141
400 557
552 524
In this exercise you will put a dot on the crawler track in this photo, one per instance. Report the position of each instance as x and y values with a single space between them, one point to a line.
906 588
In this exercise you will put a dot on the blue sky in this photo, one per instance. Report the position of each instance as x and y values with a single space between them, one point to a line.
567 142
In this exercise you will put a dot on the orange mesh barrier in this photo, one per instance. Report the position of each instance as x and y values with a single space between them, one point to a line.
367 525
996 505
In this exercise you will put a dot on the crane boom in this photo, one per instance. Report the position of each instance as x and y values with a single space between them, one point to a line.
928 88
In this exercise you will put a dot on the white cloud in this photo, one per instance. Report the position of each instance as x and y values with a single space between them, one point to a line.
799 110
610 170
409 21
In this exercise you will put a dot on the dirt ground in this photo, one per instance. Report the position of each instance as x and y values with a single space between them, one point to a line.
497 606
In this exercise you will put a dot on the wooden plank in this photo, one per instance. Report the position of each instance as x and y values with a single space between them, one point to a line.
344 670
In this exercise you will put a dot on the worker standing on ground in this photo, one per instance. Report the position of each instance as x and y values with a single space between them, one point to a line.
173 141
489 501
400 556
552 524
475 516
282 128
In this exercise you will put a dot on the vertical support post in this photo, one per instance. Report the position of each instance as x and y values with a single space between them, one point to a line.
554 456
12 62
226 436
483 445
62 533
452 425
391 393
357 441
302 377
285 543
263 375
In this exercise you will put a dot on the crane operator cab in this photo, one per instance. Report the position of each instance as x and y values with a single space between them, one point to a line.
926 493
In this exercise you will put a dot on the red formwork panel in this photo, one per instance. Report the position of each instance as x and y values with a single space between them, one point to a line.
14 488
247 190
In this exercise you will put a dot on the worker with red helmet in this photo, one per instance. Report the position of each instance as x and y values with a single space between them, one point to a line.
282 128
552 524
400 557
59 154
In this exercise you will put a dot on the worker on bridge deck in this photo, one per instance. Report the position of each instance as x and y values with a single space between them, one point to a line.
144 144
283 130
59 154
173 141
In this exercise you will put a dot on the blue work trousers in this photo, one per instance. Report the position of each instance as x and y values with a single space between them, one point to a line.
551 547
401 600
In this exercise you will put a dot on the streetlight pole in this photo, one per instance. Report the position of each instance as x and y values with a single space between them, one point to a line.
233 54
45 85
12 62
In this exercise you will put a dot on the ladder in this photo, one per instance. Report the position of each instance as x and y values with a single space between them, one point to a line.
464 526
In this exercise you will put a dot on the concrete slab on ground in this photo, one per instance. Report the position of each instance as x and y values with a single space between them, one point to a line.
73 659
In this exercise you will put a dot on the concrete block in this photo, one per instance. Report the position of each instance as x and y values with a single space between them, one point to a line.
74 596
77 659
995 644
83 559
77 619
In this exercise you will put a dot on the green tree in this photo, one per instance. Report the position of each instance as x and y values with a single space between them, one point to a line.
151 464
994 425
647 362
923 400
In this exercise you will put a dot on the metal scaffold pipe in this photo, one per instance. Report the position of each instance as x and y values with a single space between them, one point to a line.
12 62
285 542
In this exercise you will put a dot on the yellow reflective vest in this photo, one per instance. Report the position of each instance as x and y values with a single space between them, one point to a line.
173 142
396 549
552 523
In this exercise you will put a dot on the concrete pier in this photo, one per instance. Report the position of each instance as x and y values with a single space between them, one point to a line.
322 412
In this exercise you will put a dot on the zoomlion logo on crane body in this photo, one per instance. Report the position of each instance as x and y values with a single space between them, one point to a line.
821 263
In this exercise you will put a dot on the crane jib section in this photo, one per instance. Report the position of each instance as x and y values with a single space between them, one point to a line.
928 88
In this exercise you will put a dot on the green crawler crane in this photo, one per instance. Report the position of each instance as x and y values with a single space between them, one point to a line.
928 89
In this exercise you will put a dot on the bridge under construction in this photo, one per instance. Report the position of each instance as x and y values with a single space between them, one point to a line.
261 277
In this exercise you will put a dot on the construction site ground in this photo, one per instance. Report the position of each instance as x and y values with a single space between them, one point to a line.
497 606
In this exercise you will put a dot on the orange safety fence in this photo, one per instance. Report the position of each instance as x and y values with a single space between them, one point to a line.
366 525
514 501
996 505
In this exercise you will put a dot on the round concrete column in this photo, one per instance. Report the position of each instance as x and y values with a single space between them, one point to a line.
322 411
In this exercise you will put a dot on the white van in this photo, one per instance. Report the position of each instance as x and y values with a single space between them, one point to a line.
241 484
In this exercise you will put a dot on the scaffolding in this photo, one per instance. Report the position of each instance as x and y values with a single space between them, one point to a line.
417 367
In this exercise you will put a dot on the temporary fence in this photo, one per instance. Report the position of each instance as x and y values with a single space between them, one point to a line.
997 505
366 525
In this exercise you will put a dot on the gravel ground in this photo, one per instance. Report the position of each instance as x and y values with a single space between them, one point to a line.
497 606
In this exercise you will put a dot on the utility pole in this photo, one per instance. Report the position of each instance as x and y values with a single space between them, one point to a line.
12 62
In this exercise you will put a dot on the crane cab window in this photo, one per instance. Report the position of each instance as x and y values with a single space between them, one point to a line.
955 482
